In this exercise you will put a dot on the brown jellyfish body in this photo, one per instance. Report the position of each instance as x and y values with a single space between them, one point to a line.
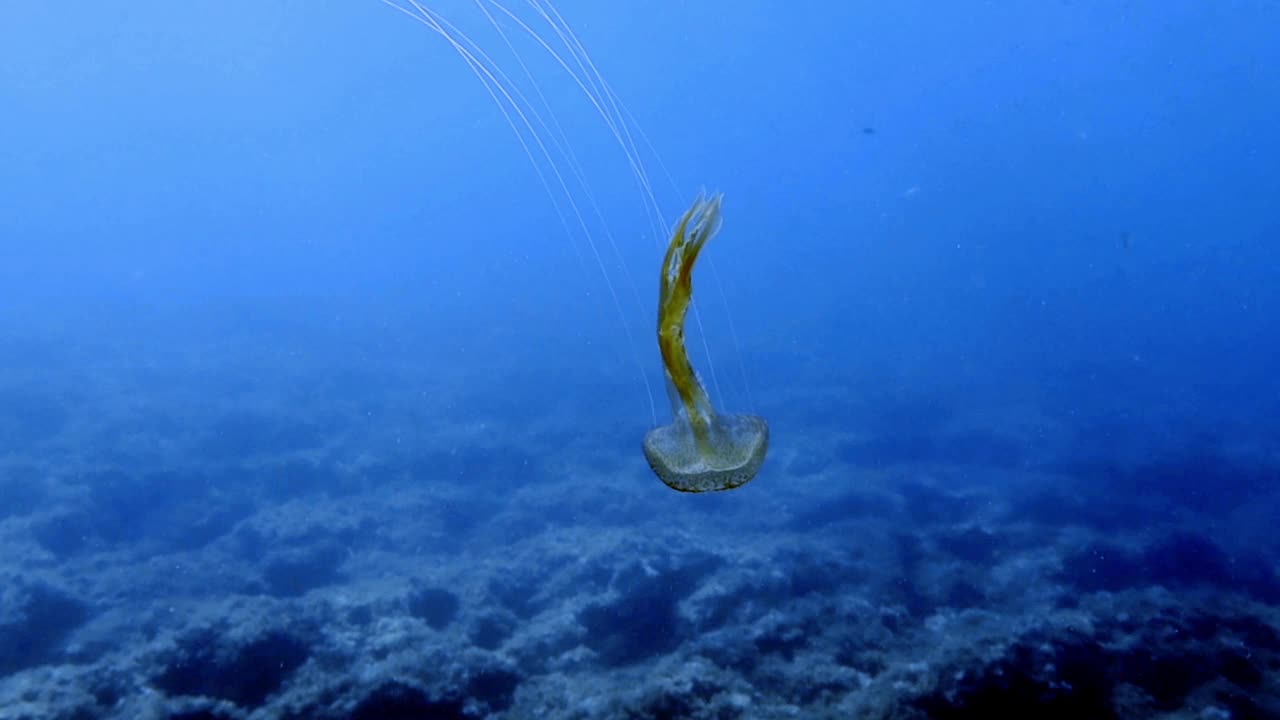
701 450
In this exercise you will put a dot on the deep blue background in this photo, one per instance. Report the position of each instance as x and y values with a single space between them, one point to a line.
1071 202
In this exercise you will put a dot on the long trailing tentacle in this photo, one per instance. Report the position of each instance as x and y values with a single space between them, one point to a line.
565 147
616 117
546 139
501 89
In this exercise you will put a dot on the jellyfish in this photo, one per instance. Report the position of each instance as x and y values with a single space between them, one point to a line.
701 450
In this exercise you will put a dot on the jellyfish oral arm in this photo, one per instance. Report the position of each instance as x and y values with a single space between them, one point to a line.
689 401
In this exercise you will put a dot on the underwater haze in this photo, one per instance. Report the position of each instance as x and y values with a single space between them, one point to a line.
328 346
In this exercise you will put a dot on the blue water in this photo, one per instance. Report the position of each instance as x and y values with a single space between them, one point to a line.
306 360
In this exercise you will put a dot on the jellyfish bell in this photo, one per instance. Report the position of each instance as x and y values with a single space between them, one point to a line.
735 450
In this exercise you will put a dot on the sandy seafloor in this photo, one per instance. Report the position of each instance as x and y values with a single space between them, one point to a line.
295 522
